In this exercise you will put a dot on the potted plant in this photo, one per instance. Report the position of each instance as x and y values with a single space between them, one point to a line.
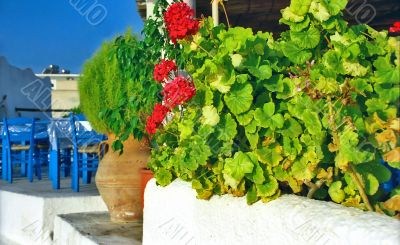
312 113
117 93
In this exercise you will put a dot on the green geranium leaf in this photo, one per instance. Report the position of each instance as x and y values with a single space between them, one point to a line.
245 118
296 54
235 168
271 155
381 173
386 72
253 139
319 11
264 114
371 184
354 69
300 7
334 6
210 116
258 175
227 128
239 99
236 60
163 177
288 15
269 188
265 117
306 39
262 73
335 192
251 196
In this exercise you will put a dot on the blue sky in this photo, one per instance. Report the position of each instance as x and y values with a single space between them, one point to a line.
36 33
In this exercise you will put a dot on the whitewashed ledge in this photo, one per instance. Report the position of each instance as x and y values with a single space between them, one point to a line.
173 216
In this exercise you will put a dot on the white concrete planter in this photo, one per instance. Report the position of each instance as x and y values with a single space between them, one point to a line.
173 215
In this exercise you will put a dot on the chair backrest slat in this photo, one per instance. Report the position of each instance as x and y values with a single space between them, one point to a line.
82 136
19 129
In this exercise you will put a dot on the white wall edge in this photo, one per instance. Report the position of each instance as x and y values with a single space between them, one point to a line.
173 215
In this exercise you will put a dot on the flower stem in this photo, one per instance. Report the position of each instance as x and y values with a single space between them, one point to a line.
353 174
226 14
198 45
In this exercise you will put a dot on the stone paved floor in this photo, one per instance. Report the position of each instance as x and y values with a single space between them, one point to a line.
43 188
97 227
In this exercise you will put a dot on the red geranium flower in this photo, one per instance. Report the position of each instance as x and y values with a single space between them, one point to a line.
151 126
157 117
180 21
162 70
178 91
395 28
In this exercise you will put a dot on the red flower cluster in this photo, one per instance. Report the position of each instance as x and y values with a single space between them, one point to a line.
162 70
395 28
155 120
180 21
178 91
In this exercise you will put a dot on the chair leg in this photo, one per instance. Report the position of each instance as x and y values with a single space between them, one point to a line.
9 169
30 167
66 168
23 163
75 173
4 163
54 169
38 164
85 172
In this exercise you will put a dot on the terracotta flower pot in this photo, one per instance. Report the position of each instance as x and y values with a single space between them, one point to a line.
146 175
119 182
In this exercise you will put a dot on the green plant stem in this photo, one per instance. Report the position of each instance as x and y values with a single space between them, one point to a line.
354 176
314 187
226 13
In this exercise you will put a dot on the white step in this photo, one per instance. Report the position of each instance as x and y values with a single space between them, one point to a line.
27 210
95 228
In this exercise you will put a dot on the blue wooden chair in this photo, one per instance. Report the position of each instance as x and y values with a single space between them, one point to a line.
60 150
18 148
86 150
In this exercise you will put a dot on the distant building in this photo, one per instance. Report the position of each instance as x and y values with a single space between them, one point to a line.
64 94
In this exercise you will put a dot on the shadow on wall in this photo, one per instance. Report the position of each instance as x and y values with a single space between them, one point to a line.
21 89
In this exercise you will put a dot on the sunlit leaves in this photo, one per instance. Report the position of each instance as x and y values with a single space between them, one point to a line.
239 99
300 7
210 116
235 168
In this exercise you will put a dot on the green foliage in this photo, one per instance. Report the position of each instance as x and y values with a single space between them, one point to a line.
101 86
310 113
117 87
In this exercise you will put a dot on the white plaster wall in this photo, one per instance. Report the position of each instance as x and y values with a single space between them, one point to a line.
172 215
36 95
27 219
